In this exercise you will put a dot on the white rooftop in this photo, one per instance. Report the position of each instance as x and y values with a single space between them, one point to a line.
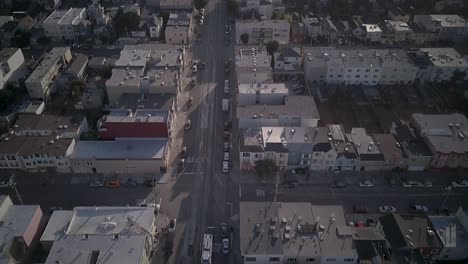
279 88
121 149
364 143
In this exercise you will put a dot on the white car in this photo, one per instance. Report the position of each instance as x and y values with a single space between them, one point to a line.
225 243
226 146
387 209
225 167
202 11
412 184
226 88
226 156
427 184
97 183
201 21
172 225
460 184
366 184
418 208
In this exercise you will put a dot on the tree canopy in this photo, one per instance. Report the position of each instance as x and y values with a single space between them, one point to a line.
244 38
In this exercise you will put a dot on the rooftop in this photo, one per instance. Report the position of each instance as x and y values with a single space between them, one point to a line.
78 63
252 58
285 135
179 19
364 143
303 106
294 229
121 149
264 23
372 27
452 230
151 101
6 53
52 58
388 147
251 140
139 116
105 230
445 57
162 78
263 88
65 16
447 20
176 4
122 76
397 26
446 133
132 58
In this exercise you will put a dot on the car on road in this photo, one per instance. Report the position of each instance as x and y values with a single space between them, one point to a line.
227 125
416 208
224 230
387 209
202 11
225 243
172 225
188 124
226 156
225 166
338 184
201 22
183 152
143 203
96 183
412 184
460 184
194 68
226 135
113 183
366 184
226 146
181 165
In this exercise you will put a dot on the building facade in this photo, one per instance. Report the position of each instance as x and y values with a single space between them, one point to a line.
263 31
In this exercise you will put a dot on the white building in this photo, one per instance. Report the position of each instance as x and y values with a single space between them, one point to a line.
10 60
66 24
324 153
370 157
39 142
372 32
253 65
155 27
440 64
264 94
40 80
365 67
288 59
100 234
179 28
452 27
263 31
397 31
297 111
49 4
270 233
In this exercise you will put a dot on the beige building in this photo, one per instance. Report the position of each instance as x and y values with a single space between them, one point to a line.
66 24
253 65
40 80
179 28
263 31
10 60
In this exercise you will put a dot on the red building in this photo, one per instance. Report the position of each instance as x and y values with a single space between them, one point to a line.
146 123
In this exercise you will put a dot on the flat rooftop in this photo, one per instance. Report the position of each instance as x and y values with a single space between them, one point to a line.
133 149
279 88
303 106
52 58
6 53
124 77
151 101
252 57
179 19
132 58
444 57
251 140
364 143
139 116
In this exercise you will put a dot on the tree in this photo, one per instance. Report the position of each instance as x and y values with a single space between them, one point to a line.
265 168
20 39
272 46
244 38
126 23
43 41
199 4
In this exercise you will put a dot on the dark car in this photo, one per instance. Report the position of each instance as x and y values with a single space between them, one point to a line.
339 184
181 165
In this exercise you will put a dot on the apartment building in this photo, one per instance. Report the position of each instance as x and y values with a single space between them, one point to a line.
392 153
100 234
263 94
297 111
179 28
11 60
439 64
450 27
324 154
370 156
288 59
143 123
263 31
452 231
20 231
268 234
263 7
346 153
288 147
253 65
395 32
67 24
363 67
40 80
372 33
446 136
39 142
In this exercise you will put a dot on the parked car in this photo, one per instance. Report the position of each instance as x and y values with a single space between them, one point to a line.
338 184
225 166
172 225
387 209
427 184
225 243
181 165
224 230
460 184
226 156
226 146
416 208
188 124
183 152
113 183
412 184
366 184
202 11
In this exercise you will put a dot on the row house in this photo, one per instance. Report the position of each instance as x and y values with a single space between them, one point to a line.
253 65
67 24
40 142
449 27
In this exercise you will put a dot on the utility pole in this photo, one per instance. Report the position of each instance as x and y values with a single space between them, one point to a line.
13 184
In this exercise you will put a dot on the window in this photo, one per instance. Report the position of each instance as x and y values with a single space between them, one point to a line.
310 259
331 76
274 259
358 70
350 70
330 259
358 76
258 156
37 155
291 260
339 75
376 70
39 162
60 164
375 75
348 260
367 70
250 259
11 157
246 154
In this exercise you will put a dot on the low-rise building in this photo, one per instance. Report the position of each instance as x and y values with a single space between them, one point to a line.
439 64
297 111
40 80
96 13
67 24
395 32
370 157
20 230
452 231
346 154
155 26
264 8
446 136
78 66
324 154
11 60
450 27
288 59
253 65
175 5
372 33
39 142
263 31
101 234
392 153
179 28
121 156
263 94
270 236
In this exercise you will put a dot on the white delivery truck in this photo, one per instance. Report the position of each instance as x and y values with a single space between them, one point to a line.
225 105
